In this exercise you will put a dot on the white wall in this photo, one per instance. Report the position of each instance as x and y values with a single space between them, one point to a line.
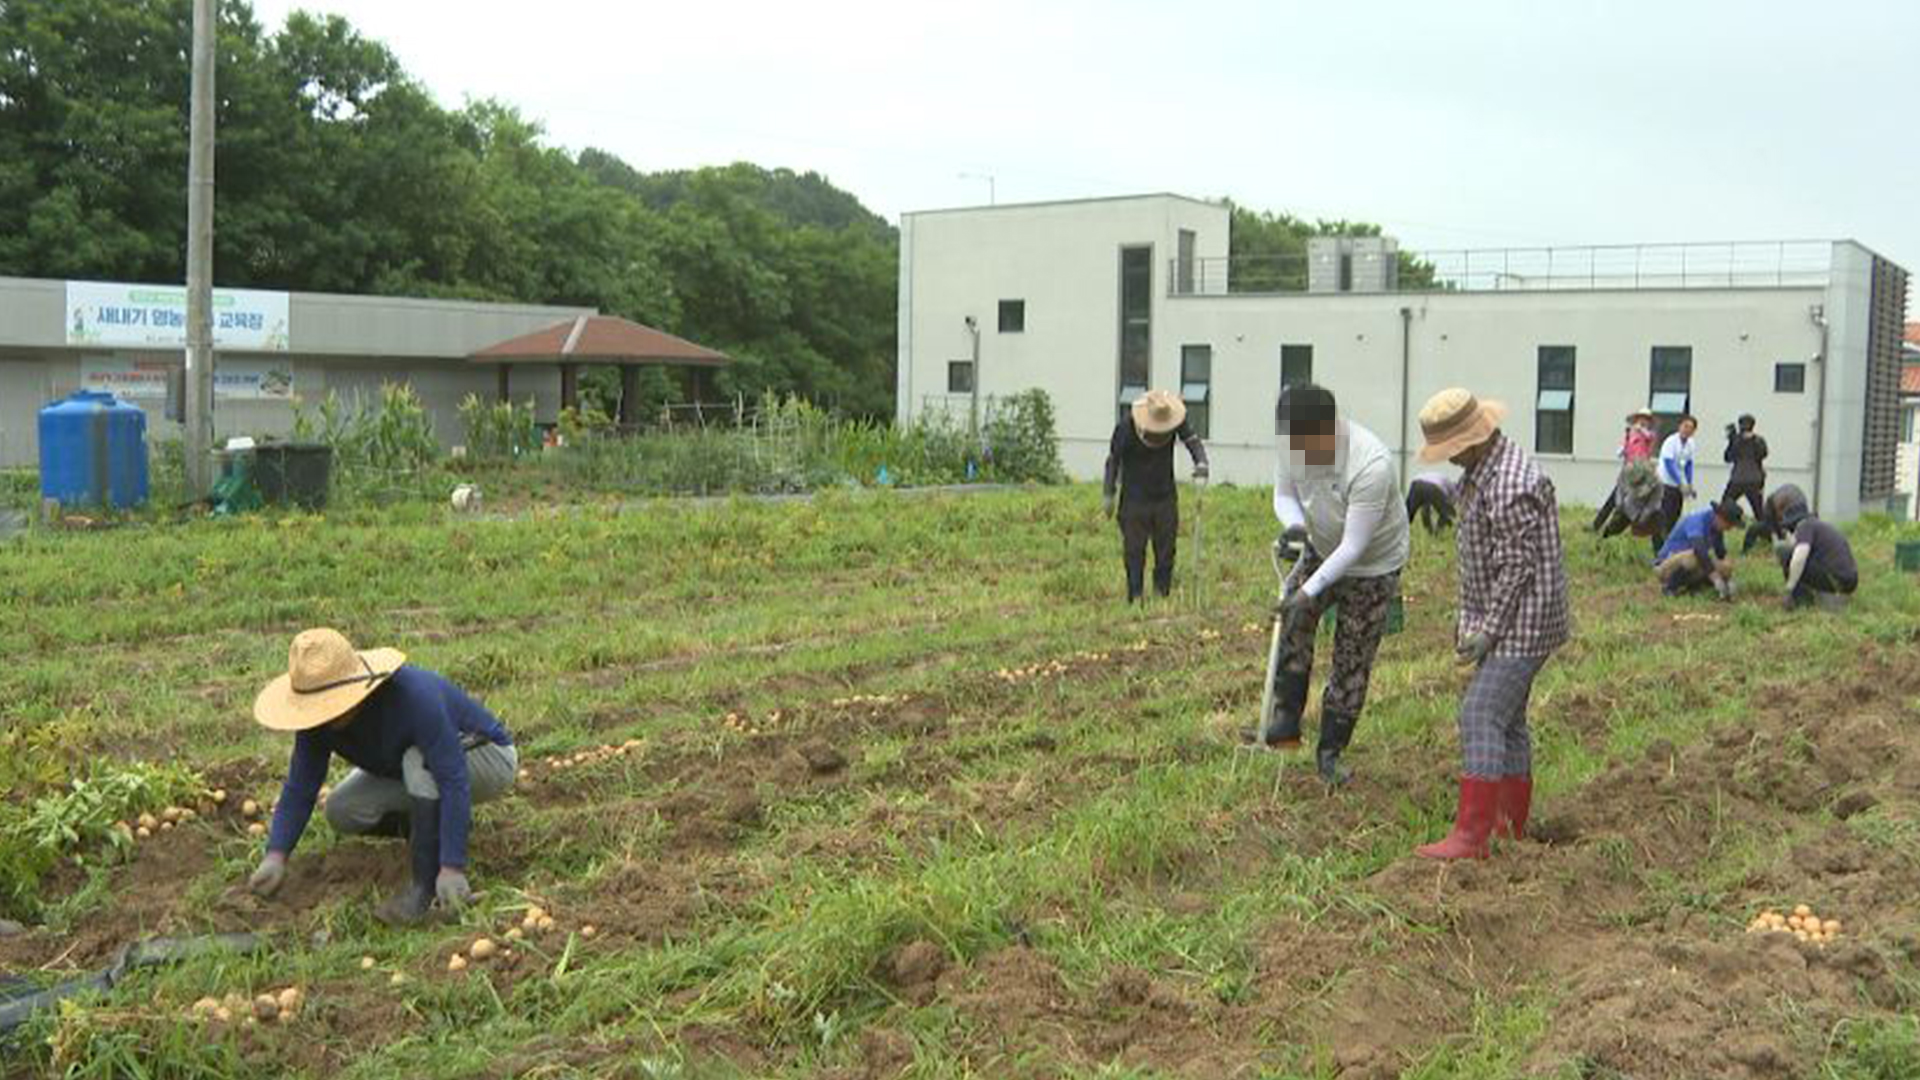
1063 259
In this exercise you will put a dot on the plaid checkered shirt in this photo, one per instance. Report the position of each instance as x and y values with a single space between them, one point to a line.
1513 578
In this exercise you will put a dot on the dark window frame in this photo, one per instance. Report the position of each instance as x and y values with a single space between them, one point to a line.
1018 310
954 367
1798 369
1675 376
1199 408
1556 370
1302 352
1135 319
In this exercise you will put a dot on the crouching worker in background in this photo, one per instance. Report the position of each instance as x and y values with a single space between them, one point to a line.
1140 467
424 752
1430 501
1695 554
1334 491
1816 557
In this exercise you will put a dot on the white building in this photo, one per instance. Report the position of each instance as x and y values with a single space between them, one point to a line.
1097 300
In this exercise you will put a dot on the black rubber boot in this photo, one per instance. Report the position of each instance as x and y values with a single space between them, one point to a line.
1282 729
1335 733
409 906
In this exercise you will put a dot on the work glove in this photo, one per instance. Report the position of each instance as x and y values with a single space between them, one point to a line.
452 890
1475 647
1106 505
1789 602
1690 493
1294 541
1296 602
1200 473
268 878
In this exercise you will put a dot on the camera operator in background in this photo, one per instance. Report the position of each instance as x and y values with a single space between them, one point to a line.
1747 453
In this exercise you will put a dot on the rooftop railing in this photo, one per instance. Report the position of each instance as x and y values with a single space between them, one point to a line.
1730 265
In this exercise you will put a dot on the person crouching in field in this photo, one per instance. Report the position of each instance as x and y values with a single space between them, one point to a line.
1695 554
1140 467
1816 558
1335 493
424 752
1430 500
1513 613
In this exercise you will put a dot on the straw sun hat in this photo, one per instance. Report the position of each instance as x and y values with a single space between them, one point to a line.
1158 412
325 678
1453 420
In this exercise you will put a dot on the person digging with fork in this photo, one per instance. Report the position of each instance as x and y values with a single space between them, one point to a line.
424 752
1337 495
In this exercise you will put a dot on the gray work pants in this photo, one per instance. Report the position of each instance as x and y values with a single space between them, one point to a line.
361 800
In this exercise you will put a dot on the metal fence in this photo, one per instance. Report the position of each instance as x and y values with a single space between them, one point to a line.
1733 264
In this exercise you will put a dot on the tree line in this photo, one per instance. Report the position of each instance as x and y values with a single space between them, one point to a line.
339 172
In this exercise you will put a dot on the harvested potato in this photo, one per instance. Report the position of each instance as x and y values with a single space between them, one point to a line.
1830 927
143 832
456 962
266 1007
483 948
366 963
588 931
1802 910
250 808
546 923
256 829
223 1014
397 979
148 821
219 796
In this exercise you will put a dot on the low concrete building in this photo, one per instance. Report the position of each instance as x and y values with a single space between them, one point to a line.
1097 300
275 349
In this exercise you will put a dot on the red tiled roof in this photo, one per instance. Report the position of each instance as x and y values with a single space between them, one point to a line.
600 339
1913 333
1910 380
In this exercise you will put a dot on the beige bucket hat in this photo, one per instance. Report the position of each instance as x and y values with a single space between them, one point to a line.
1453 420
325 678
1158 412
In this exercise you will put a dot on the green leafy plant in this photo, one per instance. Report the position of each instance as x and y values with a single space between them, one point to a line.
499 430
79 820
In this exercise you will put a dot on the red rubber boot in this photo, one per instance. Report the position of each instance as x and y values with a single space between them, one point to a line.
1472 823
1516 799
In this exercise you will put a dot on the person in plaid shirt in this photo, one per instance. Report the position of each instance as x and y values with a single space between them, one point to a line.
1513 612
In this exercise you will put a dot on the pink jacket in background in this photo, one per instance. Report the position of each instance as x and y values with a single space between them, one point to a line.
1637 444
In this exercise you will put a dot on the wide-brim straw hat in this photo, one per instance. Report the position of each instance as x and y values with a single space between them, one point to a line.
1640 414
1158 413
326 676
1453 420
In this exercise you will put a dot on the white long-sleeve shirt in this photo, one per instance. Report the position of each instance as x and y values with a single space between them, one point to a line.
1352 511
1676 461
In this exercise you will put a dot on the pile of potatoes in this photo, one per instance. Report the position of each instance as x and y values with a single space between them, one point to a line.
282 1006
537 920
1803 924
591 756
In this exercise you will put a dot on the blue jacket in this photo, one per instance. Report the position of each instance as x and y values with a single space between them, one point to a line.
415 708
1694 533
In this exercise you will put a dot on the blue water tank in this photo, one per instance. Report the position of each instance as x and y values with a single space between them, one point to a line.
93 451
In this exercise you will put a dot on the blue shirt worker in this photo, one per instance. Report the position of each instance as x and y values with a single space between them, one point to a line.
423 753
1695 554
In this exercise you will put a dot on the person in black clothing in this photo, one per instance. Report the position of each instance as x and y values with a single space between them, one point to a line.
1140 474
1815 557
1430 499
1747 453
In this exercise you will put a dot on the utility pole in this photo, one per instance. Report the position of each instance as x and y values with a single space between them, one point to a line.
199 403
973 403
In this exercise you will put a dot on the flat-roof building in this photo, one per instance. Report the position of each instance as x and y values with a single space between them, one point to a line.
1098 300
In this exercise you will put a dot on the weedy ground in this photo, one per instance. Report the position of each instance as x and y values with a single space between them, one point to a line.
910 792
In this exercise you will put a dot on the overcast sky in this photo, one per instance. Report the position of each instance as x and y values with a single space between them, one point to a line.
1471 123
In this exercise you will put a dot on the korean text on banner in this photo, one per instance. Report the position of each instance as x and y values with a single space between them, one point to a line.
155 317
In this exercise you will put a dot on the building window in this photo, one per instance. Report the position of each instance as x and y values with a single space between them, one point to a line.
960 377
1196 387
1789 378
1346 270
1671 392
1136 322
1296 365
1553 410
1013 316
1183 268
